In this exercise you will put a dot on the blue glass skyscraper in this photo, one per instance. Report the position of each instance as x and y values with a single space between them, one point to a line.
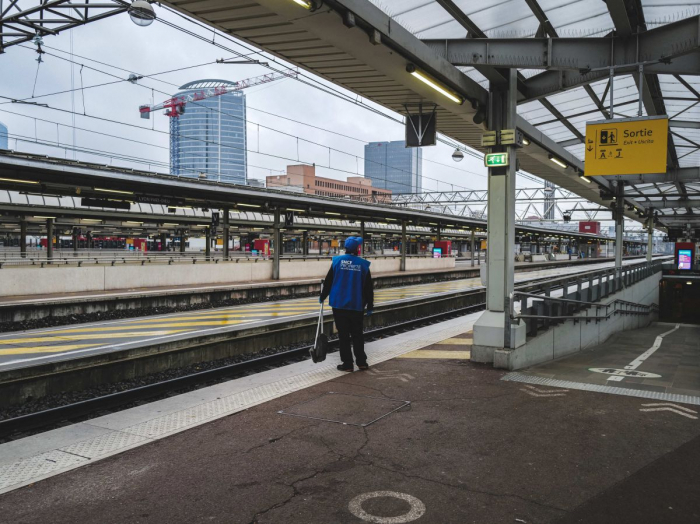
210 137
3 137
393 166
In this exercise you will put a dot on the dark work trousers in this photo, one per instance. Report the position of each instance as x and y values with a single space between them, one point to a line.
349 325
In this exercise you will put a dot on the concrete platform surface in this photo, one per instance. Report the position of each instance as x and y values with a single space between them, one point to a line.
659 362
469 448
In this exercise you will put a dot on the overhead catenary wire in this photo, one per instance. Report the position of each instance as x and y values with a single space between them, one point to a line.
237 117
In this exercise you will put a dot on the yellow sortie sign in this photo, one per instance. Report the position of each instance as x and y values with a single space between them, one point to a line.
629 146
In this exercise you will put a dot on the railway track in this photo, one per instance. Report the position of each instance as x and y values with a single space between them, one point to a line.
46 419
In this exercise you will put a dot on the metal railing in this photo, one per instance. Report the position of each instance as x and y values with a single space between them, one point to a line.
170 258
542 311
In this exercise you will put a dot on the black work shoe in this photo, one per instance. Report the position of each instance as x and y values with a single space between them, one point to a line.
363 367
346 368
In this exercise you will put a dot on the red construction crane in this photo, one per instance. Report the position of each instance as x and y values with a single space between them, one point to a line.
175 106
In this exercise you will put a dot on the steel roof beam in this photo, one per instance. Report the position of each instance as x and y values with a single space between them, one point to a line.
659 45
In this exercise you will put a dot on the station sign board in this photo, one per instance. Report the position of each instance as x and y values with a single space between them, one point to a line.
496 159
626 146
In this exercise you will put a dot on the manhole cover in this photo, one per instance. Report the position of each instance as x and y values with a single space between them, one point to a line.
343 408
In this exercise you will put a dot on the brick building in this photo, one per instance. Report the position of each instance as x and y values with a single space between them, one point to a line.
303 178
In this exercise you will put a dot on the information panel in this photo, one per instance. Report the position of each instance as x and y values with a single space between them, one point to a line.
685 259
627 146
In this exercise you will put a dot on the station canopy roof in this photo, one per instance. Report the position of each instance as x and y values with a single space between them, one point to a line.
366 45
54 187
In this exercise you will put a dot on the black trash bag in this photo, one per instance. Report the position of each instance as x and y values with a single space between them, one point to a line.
318 352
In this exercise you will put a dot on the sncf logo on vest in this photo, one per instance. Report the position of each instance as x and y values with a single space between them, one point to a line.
347 265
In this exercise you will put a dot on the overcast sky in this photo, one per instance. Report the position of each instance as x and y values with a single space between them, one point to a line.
122 47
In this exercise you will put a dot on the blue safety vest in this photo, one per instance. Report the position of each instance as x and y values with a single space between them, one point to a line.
349 274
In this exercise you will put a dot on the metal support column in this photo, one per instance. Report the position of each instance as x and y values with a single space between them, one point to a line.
365 251
76 239
494 330
650 240
163 241
23 237
207 248
49 238
402 267
472 248
88 239
439 234
619 227
305 243
277 241
182 240
226 231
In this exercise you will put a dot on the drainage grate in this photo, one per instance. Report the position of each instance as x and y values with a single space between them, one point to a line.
346 409
597 388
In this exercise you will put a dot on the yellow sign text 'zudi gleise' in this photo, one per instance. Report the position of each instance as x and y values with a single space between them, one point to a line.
628 146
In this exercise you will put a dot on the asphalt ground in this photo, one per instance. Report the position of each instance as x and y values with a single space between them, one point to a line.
26 348
470 448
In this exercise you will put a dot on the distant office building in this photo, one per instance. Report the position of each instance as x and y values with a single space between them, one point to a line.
255 182
3 137
210 137
393 166
302 179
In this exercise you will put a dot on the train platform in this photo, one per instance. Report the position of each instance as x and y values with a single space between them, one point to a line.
26 348
463 266
423 436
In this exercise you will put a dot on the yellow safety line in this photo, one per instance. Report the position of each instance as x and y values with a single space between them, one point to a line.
33 340
131 326
42 349
456 342
432 353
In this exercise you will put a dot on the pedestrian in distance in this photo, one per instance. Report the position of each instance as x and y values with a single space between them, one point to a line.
349 285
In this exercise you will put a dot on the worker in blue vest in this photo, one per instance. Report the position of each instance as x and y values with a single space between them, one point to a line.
349 284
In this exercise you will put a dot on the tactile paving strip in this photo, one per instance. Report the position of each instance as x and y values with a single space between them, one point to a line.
33 468
598 388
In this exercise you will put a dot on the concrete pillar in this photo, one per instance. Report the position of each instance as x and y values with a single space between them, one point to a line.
305 243
49 238
207 248
402 267
226 231
494 330
277 241
650 240
23 237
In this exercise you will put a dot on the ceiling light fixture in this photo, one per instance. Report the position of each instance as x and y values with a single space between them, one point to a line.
141 13
557 161
114 191
410 68
16 181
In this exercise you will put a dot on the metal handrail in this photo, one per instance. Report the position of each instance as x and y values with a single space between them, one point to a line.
547 310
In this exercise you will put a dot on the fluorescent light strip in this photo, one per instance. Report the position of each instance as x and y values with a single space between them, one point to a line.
37 216
16 181
303 3
429 81
557 161
249 205
585 179
114 191
331 213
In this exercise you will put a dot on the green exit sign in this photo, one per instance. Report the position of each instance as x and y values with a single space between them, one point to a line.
496 160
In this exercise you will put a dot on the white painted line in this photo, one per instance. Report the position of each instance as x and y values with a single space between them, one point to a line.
660 404
417 508
672 410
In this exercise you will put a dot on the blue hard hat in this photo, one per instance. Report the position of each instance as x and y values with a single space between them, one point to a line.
352 243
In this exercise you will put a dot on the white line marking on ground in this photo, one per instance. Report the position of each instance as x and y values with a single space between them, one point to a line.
417 508
676 411
542 393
